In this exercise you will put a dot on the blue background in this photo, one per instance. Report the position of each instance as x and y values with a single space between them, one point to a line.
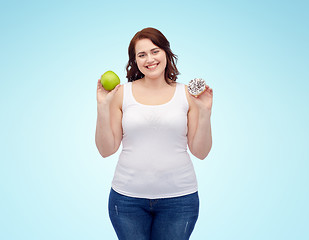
254 54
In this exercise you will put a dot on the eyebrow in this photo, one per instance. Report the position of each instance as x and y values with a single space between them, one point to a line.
150 50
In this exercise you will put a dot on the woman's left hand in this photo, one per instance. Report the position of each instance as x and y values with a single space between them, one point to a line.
204 101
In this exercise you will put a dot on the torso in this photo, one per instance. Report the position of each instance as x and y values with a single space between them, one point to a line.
148 96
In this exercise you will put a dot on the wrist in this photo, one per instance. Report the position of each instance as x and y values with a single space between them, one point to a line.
205 113
102 107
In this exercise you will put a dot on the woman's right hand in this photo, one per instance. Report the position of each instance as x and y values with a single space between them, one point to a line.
104 96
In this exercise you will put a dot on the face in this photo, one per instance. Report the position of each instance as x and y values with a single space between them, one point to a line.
150 59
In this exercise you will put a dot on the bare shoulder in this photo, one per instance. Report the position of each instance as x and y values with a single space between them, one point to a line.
118 98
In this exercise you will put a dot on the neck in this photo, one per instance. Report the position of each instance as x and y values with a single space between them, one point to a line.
156 83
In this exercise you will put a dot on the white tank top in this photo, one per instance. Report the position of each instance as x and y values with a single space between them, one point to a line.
154 162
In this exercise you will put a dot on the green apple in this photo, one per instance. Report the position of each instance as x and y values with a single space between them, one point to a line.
109 80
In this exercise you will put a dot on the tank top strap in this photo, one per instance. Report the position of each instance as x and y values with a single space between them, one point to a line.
180 97
127 95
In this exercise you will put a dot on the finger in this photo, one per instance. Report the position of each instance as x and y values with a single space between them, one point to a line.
194 96
115 89
100 84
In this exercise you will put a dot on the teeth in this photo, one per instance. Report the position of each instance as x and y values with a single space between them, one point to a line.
152 66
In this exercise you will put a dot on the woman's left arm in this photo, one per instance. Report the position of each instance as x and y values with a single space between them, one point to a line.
199 127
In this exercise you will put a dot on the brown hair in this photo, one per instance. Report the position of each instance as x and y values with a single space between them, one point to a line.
158 39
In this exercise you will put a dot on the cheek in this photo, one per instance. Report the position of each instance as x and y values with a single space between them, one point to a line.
164 61
139 62
139 65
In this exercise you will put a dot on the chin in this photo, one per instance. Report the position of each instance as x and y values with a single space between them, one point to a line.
155 76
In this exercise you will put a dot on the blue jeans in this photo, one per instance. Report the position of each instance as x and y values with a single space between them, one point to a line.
153 219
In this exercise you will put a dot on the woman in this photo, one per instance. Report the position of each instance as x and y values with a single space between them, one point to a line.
154 192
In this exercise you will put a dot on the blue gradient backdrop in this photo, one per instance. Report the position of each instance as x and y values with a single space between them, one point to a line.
254 54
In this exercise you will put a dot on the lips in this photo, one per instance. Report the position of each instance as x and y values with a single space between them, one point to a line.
152 66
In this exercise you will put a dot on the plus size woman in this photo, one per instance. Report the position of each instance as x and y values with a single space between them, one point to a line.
154 192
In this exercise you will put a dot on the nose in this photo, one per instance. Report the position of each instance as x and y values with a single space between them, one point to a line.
149 58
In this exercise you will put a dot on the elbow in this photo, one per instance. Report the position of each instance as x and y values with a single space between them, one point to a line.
104 153
202 157
204 154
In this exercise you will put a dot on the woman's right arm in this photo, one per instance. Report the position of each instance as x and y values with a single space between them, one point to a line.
108 134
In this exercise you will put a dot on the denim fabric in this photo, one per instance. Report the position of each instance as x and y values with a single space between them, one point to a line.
153 219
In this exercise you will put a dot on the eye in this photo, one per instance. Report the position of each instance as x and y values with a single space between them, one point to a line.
156 51
142 55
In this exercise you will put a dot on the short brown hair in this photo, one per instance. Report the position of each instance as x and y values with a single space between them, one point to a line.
158 39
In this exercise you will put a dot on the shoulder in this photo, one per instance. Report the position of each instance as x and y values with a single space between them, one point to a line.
192 105
118 97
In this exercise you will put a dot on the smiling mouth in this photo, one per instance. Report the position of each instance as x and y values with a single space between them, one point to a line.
153 66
